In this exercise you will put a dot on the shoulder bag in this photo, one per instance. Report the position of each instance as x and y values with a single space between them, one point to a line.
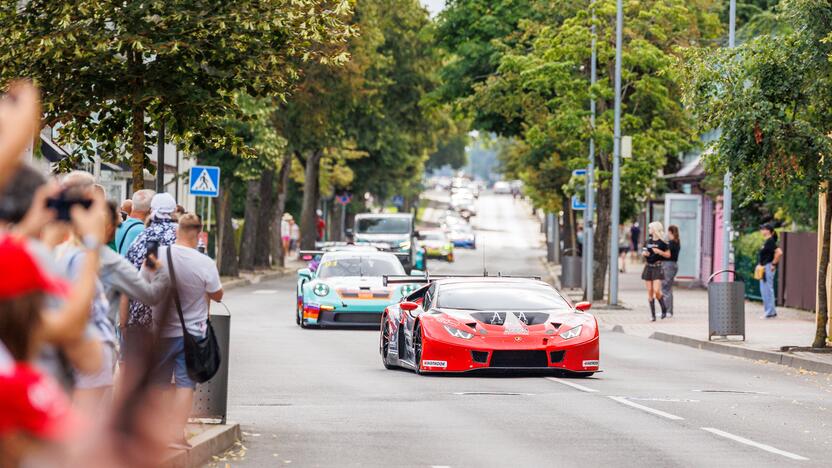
202 355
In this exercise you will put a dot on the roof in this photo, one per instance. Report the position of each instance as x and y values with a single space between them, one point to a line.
358 253
491 279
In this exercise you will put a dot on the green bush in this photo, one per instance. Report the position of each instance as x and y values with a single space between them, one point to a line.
746 247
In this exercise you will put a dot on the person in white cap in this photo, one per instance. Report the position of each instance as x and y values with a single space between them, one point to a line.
137 327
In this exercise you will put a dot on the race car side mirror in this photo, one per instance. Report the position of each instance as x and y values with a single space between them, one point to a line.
583 306
408 306
305 273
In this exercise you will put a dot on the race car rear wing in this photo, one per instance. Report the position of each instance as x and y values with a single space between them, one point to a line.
427 278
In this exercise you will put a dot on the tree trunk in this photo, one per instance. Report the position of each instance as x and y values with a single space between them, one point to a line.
602 241
280 207
227 252
334 226
311 187
822 307
137 148
262 259
252 210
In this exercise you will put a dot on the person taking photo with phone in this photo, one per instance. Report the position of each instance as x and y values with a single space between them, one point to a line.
653 273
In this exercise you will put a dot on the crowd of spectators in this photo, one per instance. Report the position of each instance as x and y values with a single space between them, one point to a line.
92 358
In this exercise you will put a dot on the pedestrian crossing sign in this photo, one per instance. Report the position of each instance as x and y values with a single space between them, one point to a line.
205 181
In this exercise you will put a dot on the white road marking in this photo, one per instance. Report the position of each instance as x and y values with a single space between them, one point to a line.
743 440
265 291
440 466
625 401
572 384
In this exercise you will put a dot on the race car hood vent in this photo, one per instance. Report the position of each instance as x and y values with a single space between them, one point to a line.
499 318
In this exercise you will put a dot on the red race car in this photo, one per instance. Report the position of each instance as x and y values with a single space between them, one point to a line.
497 323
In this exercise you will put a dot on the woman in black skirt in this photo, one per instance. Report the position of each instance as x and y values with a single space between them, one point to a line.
653 274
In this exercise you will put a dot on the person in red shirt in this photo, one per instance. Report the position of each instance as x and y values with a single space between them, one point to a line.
320 225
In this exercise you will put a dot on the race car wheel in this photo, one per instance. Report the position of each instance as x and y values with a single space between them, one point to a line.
417 347
385 344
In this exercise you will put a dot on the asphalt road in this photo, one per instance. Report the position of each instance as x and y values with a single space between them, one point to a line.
322 397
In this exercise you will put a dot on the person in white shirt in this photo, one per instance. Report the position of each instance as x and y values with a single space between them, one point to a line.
197 282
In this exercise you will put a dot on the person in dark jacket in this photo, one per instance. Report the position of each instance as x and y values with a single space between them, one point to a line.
768 257
670 266
653 274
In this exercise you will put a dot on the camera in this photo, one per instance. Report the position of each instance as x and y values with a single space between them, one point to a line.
63 203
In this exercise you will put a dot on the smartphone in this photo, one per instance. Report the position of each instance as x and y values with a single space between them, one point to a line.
63 203
152 249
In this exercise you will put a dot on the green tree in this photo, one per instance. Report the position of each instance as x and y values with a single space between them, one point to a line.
115 71
774 116
544 87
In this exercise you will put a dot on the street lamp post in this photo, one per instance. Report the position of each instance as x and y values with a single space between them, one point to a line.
616 158
589 227
727 201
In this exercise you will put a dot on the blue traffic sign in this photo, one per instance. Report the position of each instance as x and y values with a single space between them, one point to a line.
398 201
577 203
579 172
205 181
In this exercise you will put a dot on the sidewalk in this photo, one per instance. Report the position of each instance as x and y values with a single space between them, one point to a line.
247 278
689 325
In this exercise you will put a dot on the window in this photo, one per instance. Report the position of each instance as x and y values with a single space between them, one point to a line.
383 225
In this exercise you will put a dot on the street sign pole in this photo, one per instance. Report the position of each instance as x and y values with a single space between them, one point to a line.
589 218
616 158
727 201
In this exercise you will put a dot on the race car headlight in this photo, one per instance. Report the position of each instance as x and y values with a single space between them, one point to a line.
572 332
320 289
406 289
456 332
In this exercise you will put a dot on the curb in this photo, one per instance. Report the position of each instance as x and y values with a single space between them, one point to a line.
205 445
757 355
243 282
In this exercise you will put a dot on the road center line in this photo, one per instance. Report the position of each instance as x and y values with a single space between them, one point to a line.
573 385
625 401
743 440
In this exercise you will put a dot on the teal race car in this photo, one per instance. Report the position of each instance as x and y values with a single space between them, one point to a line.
346 289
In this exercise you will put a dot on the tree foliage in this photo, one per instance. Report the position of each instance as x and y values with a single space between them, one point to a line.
774 115
113 71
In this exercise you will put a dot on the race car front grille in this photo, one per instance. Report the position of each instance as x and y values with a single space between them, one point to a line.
556 356
519 359
479 356
358 317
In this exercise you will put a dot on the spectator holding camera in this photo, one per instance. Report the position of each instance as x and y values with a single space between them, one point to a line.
161 231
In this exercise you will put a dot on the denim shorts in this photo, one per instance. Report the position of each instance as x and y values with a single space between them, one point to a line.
172 364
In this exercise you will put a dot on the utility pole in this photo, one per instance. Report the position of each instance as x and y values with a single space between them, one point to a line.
589 218
160 160
727 201
616 158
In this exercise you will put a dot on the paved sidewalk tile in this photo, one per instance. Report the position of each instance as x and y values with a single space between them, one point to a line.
792 327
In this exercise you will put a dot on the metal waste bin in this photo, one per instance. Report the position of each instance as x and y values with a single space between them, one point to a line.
571 270
726 306
211 397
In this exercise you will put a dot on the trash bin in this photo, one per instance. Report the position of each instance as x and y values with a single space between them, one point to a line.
571 270
211 397
726 306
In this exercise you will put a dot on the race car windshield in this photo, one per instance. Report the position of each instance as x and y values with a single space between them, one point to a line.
360 266
493 296
383 226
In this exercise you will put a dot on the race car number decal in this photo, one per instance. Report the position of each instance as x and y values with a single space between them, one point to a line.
593 363
442 364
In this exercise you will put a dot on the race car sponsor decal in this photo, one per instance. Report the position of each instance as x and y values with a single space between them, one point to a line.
593 363
429 363
513 325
